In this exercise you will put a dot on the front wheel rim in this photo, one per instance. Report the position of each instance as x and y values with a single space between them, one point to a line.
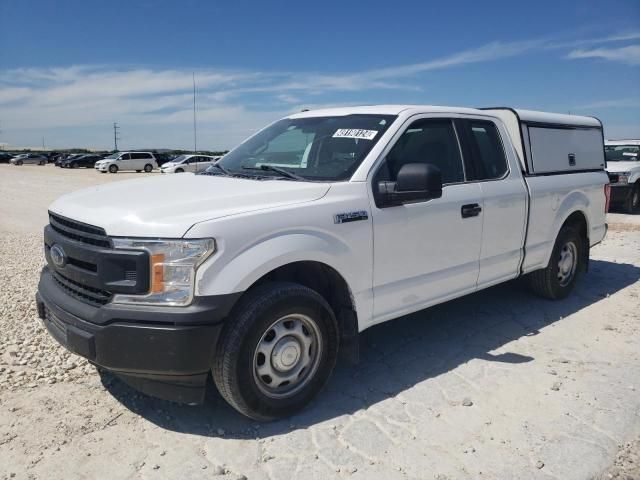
567 264
287 356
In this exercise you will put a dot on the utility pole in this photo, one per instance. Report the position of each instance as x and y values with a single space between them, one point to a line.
42 143
116 136
1 145
195 135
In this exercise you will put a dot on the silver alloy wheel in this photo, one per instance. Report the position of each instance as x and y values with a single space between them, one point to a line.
568 263
287 356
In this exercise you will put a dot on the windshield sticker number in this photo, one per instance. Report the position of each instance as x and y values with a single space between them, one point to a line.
355 133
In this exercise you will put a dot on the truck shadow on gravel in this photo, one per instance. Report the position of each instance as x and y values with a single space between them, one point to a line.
397 355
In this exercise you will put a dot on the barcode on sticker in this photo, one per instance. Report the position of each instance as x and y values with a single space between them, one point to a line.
355 133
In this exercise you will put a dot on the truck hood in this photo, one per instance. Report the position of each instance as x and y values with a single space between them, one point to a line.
168 206
618 167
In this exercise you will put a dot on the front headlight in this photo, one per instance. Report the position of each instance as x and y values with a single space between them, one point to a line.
173 265
624 177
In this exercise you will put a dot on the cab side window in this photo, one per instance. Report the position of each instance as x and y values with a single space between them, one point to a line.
485 141
427 141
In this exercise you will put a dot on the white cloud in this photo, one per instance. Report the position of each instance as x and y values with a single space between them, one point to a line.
629 54
156 103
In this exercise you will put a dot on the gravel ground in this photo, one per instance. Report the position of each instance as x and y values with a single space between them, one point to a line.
498 384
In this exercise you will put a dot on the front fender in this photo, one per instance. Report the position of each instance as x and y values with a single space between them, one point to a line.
254 261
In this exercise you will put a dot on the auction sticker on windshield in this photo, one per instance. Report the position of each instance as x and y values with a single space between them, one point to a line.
355 133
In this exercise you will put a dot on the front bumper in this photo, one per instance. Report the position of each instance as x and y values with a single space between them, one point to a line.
101 168
162 351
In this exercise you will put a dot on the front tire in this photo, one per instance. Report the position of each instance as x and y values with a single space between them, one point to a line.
277 351
19 162
558 279
179 170
113 169
632 205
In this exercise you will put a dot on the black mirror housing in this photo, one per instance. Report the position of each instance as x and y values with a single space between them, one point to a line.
416 182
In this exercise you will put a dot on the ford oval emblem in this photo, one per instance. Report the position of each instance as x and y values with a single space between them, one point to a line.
58 257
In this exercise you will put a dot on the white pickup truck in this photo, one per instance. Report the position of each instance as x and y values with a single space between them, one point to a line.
623 167
327 222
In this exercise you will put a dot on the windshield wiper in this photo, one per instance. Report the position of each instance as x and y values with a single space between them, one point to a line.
281 171
219 167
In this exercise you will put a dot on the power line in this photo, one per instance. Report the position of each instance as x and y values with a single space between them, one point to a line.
116 136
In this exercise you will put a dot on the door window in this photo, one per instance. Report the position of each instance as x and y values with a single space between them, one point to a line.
427 141
125 156
486 142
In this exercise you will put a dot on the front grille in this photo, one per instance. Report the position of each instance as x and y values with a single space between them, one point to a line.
94 296
78 231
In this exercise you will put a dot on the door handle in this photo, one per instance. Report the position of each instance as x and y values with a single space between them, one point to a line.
470 210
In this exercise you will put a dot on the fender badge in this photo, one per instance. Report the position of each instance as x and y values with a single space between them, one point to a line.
350 217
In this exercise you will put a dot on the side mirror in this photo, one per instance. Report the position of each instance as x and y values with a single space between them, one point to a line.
416 182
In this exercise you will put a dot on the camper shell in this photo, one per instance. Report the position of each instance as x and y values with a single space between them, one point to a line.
549 143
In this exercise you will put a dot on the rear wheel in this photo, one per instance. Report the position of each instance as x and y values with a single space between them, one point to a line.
277 351
148 168
632 205
113 169
558 279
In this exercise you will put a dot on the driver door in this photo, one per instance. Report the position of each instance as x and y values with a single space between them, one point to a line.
429 251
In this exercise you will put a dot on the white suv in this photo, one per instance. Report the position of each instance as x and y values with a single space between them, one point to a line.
189 163
137 161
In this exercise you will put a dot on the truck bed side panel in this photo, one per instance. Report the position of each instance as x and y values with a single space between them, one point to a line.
553 199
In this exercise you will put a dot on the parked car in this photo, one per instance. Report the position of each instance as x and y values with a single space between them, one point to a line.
188 163
86 161
65 157
29 158
623 166
262 270
5 157
137 161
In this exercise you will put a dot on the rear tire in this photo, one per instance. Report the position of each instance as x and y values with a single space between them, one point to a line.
277 350
632 205
113 169
148 168
558 279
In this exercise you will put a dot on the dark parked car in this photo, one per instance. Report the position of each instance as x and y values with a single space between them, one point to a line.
86 161
5 157
63 158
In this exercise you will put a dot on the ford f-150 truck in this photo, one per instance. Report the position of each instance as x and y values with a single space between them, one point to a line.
263 269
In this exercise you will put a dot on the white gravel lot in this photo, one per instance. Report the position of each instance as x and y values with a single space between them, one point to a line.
496 385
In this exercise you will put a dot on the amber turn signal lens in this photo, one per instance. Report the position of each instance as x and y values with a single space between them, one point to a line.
157 273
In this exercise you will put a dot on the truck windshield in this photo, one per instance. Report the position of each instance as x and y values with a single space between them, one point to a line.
622 153
314 148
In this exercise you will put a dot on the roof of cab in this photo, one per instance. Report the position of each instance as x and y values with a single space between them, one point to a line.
524 115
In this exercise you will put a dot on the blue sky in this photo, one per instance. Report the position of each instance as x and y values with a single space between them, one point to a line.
69 69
